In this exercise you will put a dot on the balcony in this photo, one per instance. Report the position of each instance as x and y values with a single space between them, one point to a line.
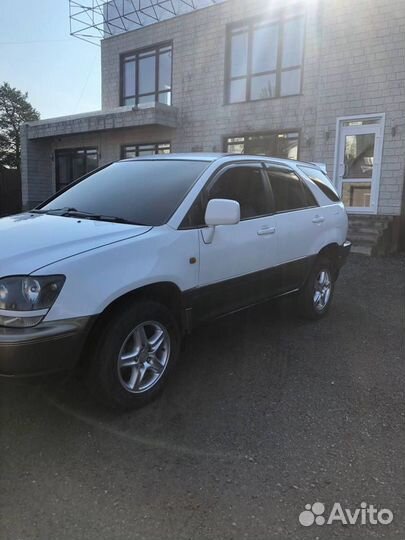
156 114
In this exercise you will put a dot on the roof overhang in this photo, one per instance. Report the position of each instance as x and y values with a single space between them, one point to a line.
157 114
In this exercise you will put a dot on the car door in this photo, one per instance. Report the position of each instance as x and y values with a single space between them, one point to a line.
238 267
299 218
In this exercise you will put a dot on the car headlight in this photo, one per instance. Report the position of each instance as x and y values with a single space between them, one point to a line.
25 300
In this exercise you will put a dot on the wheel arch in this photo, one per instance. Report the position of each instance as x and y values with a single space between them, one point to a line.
165 292
331 251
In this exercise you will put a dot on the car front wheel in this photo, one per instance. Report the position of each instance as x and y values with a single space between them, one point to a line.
137 349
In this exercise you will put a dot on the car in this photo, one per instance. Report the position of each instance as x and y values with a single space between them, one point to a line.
111 272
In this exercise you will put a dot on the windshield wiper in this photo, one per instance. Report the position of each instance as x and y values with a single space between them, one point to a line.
54 210
99 217
74 212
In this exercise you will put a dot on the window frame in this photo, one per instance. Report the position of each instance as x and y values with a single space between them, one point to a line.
304 188
280 18
137 145
70 152
262 133
154 51
202 197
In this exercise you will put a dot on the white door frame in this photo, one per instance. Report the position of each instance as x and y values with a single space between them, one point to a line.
378 129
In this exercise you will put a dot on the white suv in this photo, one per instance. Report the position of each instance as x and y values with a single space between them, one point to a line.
114 269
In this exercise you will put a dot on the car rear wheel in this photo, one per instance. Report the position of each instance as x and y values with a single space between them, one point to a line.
316 297
136 352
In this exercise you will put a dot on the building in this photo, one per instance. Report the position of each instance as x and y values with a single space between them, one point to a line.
309 79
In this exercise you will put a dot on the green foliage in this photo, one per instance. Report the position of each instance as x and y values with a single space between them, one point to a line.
14 111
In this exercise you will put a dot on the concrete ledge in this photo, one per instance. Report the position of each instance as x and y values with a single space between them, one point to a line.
157 114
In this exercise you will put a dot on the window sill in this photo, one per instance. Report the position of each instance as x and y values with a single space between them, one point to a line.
226 103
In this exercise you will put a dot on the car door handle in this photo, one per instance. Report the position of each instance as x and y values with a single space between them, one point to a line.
318 219
266 229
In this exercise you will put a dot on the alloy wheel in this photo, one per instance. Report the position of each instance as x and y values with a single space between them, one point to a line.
322 290
143 357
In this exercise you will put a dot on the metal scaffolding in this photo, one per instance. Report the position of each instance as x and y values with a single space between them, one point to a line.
92 20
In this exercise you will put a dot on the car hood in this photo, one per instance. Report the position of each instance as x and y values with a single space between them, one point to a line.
30 241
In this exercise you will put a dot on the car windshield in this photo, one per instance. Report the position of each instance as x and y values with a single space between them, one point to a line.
145 192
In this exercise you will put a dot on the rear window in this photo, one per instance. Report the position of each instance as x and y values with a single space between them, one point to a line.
141 191
322 181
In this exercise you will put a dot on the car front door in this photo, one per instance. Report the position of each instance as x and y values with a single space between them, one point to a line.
237 266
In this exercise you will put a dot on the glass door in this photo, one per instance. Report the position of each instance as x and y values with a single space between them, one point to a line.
359 165
72 163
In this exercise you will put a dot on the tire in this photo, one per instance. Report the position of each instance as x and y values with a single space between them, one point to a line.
135 354
316 297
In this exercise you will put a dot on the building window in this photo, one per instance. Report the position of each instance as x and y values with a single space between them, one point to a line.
284 145
72 163
264 59
146 76
138 150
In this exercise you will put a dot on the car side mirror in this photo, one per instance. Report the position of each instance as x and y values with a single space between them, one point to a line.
220 212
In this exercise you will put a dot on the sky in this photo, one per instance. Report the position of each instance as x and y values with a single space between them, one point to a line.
37 55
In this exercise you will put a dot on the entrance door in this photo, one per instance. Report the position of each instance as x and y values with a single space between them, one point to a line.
359 165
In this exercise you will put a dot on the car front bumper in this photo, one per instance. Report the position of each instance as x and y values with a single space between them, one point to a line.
48 347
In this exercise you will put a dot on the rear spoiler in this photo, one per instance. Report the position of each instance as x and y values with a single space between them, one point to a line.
321 166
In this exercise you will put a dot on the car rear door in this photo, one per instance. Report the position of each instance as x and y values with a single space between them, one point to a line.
238 267
299 218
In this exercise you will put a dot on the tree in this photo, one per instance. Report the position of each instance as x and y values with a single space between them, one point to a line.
14 111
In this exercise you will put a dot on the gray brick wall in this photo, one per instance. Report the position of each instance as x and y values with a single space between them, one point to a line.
362 71
354 64
36 170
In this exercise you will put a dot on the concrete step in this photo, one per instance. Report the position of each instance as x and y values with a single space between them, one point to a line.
367 233
379 227
359 237
362 250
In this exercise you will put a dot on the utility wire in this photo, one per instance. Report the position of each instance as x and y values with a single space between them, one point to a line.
34 41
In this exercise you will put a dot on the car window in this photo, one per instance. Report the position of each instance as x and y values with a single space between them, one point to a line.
247 186
289 191
140 191
322 181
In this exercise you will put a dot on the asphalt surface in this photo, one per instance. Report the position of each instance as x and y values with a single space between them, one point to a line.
265 413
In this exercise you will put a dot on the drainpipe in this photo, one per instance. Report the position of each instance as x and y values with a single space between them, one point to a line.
402 221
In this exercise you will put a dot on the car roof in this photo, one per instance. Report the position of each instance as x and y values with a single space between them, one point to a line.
215 156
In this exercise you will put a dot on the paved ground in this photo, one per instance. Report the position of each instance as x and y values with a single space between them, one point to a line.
265 414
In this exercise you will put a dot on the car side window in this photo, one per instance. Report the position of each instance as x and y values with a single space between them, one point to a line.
289 191
247 186
322 181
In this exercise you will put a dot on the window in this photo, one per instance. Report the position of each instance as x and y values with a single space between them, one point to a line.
283 145
146 76
289 192
264 59
144 191
245 185
322 181
137 150
73 163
